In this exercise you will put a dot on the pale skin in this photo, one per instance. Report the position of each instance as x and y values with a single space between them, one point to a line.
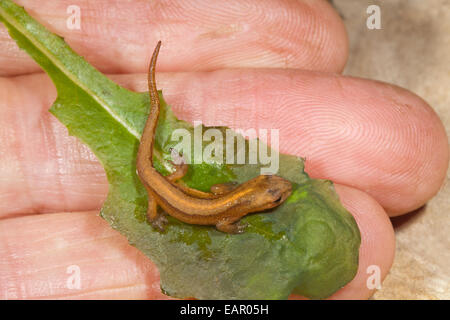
392 148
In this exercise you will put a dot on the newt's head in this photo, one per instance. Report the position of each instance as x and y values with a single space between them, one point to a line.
271 192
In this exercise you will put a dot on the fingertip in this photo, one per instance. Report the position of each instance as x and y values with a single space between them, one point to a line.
336 43
376 252
377 249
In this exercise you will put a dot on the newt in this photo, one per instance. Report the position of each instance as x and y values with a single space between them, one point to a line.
223 207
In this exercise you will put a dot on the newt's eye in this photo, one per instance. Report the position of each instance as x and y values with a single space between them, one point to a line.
279 199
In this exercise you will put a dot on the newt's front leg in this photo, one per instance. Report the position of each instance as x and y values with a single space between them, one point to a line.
231 226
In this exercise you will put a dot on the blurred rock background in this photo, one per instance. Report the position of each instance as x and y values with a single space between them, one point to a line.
411 50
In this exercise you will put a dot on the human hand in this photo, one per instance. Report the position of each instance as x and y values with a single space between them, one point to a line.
383 146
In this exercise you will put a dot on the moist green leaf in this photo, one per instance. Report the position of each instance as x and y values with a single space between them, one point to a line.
309 245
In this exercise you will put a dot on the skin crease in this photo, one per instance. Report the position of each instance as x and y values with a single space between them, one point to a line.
392 148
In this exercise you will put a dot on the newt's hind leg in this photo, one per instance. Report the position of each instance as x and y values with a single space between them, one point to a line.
156 219
180 172
181 167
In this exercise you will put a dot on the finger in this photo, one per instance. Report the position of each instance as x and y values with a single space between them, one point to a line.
77 257
119 37
42 265
361 133
377 250
37 173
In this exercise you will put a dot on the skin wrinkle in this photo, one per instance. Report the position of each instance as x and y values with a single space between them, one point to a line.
16 141
9 138
60 171
8 279
58 267
41 150
96 292
50 142
73 243
46 148
22 163
54 291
